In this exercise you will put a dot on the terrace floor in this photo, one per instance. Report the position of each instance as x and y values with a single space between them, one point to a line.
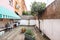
15 34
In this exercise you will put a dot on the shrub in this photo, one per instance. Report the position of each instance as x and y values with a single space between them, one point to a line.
25 13
29 32
29 35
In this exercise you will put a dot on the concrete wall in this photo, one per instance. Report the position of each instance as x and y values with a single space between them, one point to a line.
51 28
50 25
37 23
32 22
23 22
27 22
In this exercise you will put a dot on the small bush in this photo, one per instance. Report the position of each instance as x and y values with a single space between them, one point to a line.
29 35
25 13
29 32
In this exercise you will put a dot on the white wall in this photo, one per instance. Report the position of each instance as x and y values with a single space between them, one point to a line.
37 24
32 22
27 22
23 22
51 27
47 27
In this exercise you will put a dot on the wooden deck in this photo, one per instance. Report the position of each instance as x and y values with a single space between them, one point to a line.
15 34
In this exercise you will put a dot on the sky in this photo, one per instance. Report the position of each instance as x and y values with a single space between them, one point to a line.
29 2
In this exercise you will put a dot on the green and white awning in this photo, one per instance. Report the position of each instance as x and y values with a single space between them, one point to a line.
9 14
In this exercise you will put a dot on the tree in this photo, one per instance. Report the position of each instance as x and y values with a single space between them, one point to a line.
38 8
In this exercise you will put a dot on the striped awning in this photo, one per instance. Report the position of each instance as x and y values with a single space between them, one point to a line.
9 14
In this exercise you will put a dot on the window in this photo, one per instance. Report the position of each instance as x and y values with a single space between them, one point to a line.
11 2
1 17
4 16
17 6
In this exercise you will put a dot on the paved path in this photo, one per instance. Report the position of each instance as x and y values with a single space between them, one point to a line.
16 35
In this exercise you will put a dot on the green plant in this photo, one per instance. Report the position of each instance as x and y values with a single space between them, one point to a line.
29 35
29 32
25 13
37 8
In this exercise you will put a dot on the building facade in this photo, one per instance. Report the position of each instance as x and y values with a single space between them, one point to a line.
19 6
6 4
7 13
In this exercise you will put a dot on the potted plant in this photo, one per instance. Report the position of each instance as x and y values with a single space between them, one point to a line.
23 30
29 35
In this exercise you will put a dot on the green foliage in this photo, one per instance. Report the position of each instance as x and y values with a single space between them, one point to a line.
25 13
37 8
29 32
29 35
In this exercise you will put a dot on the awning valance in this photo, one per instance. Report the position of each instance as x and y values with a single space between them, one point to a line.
9 14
